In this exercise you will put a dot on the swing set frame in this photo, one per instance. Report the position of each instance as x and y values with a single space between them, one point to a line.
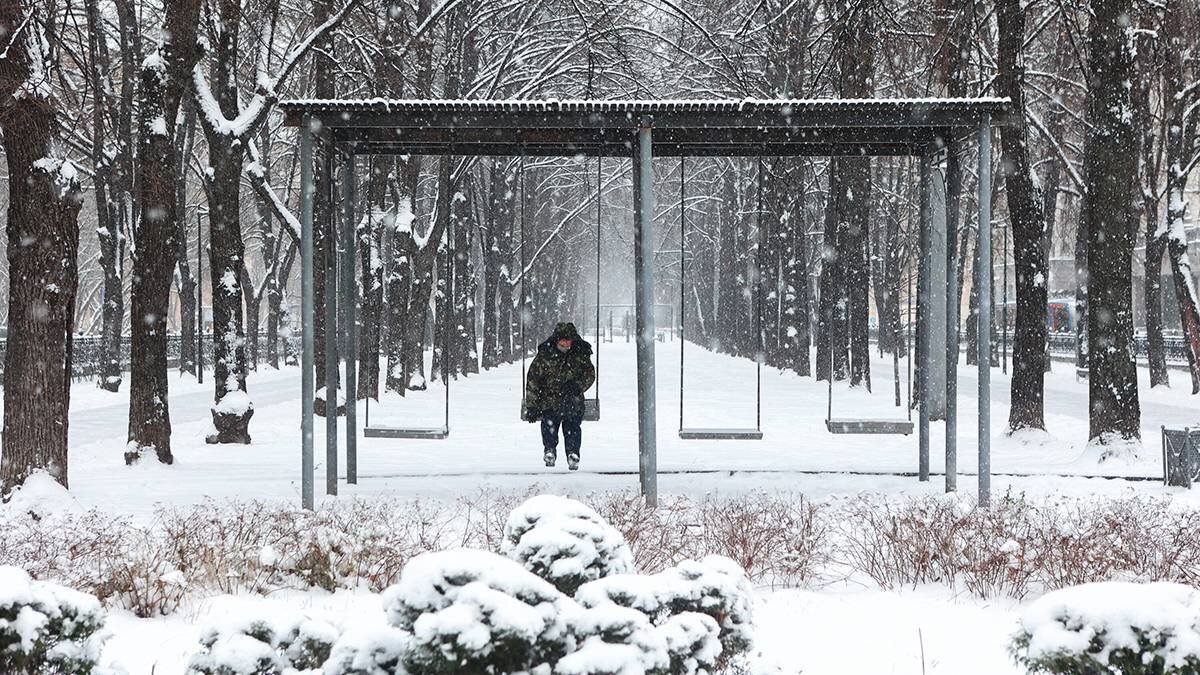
639 131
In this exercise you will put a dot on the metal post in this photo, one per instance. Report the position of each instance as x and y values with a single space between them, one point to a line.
985 310
599 216
306 314
953 178
350 297
682 283
759 246
923 356
199 300
643 254
331 331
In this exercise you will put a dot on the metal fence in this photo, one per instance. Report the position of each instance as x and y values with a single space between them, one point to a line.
1174 348
1063 345
86 358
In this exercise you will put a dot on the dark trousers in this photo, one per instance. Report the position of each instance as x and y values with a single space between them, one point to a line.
572 434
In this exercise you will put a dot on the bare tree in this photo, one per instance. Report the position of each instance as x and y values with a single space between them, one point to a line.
229 128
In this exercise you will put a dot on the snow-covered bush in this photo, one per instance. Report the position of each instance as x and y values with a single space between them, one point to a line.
374 651
693 642
46 628
474 611
1112 627
714 586
564 542
613 640
264 647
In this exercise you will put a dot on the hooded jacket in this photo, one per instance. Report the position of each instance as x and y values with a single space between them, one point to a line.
557 379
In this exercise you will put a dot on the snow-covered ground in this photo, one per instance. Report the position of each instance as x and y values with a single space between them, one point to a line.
926 630
490 446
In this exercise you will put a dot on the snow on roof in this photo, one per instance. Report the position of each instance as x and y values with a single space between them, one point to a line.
987 104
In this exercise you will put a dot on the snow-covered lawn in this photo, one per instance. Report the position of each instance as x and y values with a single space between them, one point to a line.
842 627
490 446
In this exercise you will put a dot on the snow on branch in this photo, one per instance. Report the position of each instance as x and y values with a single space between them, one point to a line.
1058 149
257 176
250 118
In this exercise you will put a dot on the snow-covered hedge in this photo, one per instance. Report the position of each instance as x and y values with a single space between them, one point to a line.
264 647
612 640
1112 627
46 628
374 651
564 542
474 611
693 642
714 586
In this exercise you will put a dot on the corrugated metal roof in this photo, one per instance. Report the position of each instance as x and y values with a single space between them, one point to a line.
783 106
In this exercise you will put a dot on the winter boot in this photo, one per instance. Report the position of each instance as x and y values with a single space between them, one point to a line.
550 456
573 462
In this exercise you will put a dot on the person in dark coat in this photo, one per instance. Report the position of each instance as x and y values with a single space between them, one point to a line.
558 376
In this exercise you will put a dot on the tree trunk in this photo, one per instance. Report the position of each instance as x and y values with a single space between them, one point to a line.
1148 174
108 210
1029 233
497 213
227 257
399 286
1110 171
463 287
252 302
1180 24
156 236
369 232
889 253
188 283
1156 248
856 279
728 299
324 87
857 69
1189 306
830 338
43 241
227 254
795 328
277 326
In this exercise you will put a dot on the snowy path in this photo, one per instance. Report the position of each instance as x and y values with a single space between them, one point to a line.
99 414
490 447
